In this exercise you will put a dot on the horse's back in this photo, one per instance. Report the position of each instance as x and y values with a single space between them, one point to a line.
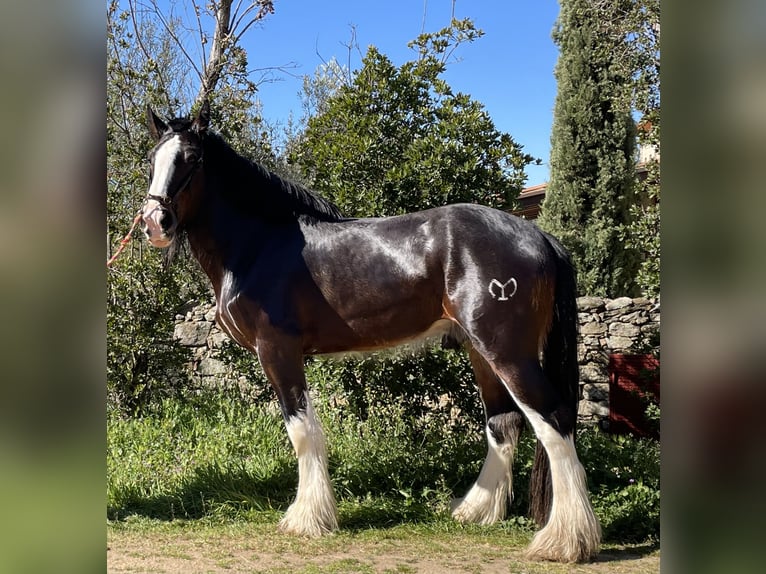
484 242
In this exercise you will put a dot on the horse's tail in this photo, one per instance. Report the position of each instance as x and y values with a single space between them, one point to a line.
560 368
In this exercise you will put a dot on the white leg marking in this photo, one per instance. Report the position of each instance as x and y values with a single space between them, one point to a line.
313 513
572 533
486 501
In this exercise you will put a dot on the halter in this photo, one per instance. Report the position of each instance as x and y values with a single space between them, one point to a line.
165 201
168 201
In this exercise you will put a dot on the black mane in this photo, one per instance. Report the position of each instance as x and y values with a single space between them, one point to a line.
256 191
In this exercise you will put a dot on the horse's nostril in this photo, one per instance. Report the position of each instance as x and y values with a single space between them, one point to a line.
165 220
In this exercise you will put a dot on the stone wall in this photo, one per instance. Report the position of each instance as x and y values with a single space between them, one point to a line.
629 326
198 331
611 326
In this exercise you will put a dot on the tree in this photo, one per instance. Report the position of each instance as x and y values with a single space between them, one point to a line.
397 139
642 58
643 231
387 140
593 147
148 62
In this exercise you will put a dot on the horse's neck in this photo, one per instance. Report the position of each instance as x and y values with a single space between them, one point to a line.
207 253
215 245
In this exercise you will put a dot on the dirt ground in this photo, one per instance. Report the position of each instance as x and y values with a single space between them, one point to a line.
233 552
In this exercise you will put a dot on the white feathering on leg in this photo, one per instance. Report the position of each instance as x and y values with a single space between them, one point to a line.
313 513
572 533
486 502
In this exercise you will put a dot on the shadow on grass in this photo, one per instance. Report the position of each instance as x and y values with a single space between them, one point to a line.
628 552
212 490
380 512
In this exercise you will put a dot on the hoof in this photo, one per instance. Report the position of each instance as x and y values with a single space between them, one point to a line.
487 512
565 544
301 524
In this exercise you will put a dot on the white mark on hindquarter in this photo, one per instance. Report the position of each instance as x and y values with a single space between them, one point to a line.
495 285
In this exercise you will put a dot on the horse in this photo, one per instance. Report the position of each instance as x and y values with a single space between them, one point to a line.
293 277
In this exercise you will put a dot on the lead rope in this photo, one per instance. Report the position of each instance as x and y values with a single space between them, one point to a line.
124 241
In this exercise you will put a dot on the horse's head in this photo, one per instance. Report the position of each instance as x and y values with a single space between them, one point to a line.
176 162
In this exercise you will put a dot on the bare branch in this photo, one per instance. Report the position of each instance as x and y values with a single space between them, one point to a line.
146 53
265 7
237 20
221 41
202 37
169 29
236 10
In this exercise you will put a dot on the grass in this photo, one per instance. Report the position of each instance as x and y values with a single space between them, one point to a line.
230 460
213 478
440 545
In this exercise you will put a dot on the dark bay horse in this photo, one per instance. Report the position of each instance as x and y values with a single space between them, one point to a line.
292 277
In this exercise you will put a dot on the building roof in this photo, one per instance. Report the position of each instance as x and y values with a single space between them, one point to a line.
529 201
531 198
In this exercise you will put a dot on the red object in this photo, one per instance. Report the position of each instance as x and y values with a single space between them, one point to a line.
124 241
633 380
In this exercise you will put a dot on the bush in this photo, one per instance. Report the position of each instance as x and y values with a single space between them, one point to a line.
624 478
434 380
144 364
226 459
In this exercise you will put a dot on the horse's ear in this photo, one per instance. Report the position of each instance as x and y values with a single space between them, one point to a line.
202 119
156 126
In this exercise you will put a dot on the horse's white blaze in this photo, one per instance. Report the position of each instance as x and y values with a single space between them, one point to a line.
152 215
313 513
164 166
572 532
486 501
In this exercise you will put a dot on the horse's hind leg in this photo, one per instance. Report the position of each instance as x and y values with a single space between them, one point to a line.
572 532
313 513
487 500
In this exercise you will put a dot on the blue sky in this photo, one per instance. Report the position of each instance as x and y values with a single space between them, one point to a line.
509 69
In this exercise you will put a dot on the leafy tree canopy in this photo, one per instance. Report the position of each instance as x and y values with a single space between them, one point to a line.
394 139
604 73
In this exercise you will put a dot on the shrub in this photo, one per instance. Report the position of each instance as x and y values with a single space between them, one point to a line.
624 477
227 459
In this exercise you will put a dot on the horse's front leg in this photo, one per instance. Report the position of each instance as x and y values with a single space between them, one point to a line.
313 513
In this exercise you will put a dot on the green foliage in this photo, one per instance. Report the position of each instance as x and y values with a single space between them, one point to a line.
593 180
643 232
642 60
432 377
224 459
624 479
397 139
142 361
145 293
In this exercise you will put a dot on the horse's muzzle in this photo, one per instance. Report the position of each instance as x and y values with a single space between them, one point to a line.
159 223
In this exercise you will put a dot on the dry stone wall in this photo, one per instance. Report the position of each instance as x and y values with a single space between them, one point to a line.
198 331
611 326
607 326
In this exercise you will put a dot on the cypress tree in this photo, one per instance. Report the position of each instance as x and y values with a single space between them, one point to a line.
593 148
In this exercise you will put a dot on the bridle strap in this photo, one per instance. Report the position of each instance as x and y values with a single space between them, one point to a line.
167 201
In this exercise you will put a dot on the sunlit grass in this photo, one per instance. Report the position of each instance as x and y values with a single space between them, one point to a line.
224 462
